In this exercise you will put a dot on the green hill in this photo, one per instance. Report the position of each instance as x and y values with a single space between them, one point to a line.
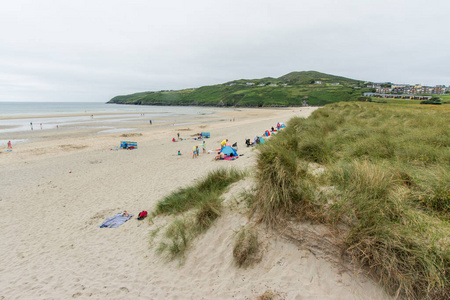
289 90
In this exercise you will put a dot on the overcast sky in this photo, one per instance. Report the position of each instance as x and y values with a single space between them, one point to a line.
81 50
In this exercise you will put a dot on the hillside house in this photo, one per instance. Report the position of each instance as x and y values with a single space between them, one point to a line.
396 96
334 83
250 83
317 82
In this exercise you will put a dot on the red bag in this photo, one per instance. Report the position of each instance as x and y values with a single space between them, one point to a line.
142 215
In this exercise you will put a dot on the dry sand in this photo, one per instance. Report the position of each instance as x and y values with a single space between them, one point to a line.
52 248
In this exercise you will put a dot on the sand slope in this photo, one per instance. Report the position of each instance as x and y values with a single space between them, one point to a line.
51 246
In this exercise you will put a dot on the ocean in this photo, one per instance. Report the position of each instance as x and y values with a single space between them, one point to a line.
16 117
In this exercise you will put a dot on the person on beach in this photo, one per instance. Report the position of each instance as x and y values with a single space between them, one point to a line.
31 125
220 156
178 134
150 122
9 145
224 142
204 146
195 152
179 153
41 126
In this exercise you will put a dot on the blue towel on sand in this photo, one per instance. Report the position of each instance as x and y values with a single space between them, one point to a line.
115 221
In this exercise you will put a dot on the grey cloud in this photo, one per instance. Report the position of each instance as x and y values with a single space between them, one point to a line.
94 50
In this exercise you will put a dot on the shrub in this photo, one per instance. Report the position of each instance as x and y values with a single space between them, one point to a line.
246 247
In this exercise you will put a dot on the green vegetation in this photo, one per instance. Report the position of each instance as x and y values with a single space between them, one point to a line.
206 191
290 90
246 247
386 177
445 99
434 100
196 208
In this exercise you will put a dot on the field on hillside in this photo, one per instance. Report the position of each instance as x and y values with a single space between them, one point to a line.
289 90
379 175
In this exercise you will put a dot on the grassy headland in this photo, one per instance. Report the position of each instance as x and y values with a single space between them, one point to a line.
289 90
386 179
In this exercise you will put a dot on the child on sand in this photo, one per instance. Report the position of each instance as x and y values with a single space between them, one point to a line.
9 145
195 152
204 146
179 153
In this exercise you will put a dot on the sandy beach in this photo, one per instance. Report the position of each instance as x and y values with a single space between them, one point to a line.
58 189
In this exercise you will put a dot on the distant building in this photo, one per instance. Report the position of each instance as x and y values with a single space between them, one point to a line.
334 83
317 82
262 84
250 83
273 84
397 96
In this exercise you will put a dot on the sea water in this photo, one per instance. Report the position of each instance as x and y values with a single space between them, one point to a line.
22 116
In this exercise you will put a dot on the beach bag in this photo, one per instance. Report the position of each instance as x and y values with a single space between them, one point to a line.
142 215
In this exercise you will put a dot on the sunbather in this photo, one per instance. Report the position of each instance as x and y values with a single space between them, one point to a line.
220 156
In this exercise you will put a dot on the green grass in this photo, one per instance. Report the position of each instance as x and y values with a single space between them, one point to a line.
196 208
206 191
241 94
388 179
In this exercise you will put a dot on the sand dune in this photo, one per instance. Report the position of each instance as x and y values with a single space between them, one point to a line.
52 247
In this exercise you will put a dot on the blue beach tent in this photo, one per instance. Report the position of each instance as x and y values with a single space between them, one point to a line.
229 151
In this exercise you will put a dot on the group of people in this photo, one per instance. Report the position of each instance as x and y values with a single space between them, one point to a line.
31 125
178 138
259 139
196 150
220 155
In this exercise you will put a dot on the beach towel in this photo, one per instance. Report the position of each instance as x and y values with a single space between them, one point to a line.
115 221
231 158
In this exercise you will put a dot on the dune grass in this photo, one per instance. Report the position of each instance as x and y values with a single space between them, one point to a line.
387 170
205 191
246 247
196 208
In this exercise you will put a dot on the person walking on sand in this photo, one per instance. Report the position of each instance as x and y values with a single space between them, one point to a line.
150 121
195 152
204 146
41 126
31 125
9 145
